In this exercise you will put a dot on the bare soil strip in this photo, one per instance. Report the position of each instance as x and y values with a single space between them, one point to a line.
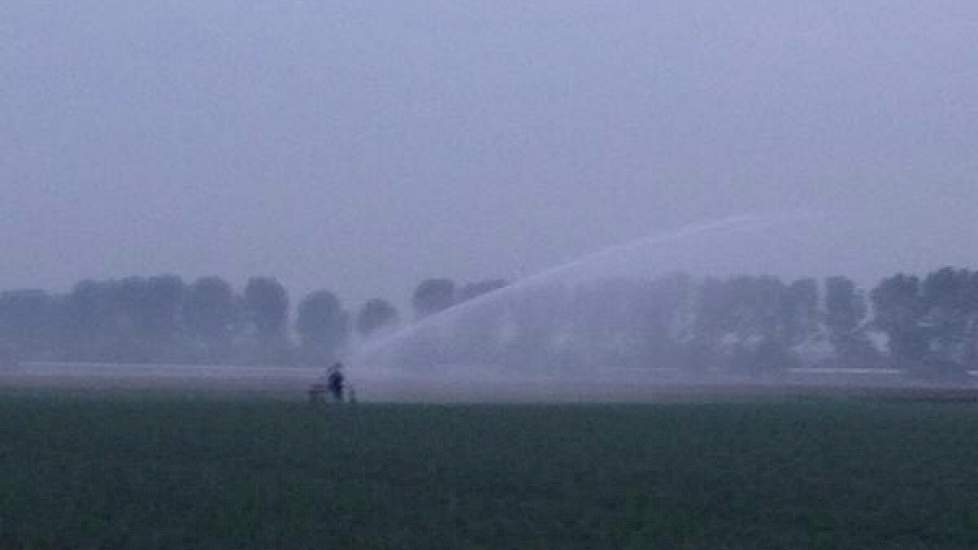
446 387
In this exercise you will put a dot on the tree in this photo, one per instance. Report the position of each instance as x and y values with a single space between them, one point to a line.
89 324
931 323
765 324
432 296
845 316
743 322
949 313
323 326
211 315
376 315
705 347
162 305
266 304
899 312
970 300
131 337
625 322
661 318
147 318
799 312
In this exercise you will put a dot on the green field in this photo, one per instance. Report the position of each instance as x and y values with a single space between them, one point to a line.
158 472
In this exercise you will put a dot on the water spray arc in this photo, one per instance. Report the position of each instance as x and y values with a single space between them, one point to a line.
727 226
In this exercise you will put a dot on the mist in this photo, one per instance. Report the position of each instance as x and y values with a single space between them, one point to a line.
363 148
672 313
488 274
158 159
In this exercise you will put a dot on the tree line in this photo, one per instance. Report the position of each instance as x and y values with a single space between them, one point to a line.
924 325
164 319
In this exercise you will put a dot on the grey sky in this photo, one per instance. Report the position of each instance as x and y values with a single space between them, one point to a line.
361 146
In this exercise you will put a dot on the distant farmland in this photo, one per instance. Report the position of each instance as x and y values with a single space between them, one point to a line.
471 384
170 472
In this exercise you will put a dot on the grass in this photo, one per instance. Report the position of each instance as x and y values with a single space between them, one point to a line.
160 472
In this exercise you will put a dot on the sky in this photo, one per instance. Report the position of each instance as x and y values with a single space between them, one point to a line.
362 146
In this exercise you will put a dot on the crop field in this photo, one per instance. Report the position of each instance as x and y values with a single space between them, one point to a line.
155 471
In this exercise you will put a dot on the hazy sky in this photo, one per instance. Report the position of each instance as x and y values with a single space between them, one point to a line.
361 146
